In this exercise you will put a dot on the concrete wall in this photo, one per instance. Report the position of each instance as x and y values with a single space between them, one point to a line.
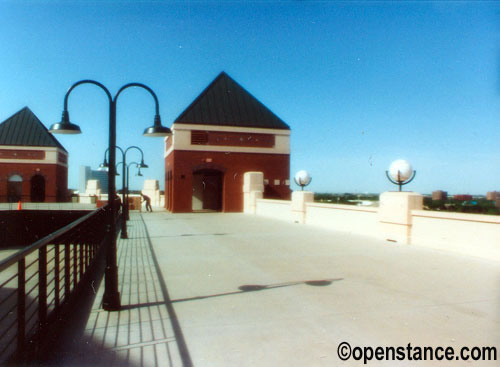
399 219
469 234
345 218
277 209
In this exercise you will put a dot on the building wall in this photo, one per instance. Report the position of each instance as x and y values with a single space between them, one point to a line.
180 165
51 163
56 180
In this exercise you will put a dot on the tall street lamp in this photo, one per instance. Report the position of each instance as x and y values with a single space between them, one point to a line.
105 164
111 298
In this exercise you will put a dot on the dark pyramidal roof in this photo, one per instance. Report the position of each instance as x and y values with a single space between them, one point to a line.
224 102
25 129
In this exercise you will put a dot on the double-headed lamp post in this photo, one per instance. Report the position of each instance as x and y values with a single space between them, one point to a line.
111 298
105 164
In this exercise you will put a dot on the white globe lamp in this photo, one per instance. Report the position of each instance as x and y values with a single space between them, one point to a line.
400 172
302 178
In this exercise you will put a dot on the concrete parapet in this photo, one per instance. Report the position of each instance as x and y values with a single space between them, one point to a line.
395 214
253 189
253 181
299 200
93 188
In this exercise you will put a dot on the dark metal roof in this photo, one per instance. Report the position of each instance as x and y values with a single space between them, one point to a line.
224 102
25 129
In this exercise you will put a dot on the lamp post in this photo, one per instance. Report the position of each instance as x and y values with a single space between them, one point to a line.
111 298
138 165
105 164
400 173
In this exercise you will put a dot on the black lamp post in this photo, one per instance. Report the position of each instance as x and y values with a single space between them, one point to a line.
139 166
105 164
111 298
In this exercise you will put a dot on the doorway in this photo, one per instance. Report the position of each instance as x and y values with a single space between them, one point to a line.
207 190
14 188
37 189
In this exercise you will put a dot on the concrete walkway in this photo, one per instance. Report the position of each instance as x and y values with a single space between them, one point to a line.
237 290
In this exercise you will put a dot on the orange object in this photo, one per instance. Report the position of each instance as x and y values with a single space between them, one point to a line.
19 205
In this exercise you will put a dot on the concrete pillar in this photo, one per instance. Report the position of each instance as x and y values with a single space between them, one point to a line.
299 200
395 215
253 189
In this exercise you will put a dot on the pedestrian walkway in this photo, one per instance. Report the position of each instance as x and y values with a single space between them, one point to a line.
142 333
216 289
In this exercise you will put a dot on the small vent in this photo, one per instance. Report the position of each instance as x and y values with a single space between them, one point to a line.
199 137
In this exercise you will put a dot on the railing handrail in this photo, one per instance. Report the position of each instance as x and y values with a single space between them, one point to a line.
4 264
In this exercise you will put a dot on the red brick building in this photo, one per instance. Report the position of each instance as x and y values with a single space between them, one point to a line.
33 164
224 133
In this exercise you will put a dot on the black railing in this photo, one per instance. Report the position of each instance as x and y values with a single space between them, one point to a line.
37 282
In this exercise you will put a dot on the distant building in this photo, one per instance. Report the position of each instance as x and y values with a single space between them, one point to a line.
492 195
86 173
222 134
33 164
462 197
439 195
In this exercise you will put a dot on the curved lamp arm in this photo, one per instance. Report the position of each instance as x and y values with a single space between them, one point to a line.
139 149
86 81
140 85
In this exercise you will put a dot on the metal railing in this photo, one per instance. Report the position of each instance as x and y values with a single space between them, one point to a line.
37 282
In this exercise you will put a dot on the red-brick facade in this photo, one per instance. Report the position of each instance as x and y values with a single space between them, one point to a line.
33 164
180 166
224 133
55 178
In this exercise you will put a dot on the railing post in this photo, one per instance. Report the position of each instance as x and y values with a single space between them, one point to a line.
86 249
67 271
81 260
75 265
56 277
42 287
21 306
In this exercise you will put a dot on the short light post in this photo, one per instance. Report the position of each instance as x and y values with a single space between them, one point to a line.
302 179
400 173
111 298
105 164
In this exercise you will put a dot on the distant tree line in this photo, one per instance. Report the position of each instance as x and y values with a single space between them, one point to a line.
477 206
322 197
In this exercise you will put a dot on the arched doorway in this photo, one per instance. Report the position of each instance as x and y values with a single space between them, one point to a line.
207 190
37 189
14 188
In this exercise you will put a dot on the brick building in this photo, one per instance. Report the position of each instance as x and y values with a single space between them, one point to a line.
222 134
33 164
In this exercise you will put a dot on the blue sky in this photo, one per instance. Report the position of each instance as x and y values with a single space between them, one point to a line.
360 83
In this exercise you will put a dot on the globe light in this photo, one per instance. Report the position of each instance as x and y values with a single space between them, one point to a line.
302 178
400 173
400 170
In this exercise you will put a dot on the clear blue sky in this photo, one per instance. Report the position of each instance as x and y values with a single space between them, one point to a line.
360 83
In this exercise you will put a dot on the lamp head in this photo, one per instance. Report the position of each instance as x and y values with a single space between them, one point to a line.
104 165
65 126
400 170
157 130
139 172
143 165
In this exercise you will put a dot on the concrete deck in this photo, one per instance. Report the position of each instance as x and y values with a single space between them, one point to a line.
236 290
